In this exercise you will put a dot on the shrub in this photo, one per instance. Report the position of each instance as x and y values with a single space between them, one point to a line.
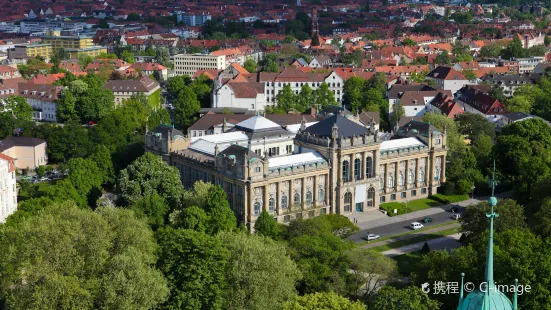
447 199
425 249
390 206
448 188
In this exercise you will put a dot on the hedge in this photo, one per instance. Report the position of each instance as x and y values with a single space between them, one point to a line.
447 199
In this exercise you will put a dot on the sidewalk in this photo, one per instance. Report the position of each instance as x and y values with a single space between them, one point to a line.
412 235
446 242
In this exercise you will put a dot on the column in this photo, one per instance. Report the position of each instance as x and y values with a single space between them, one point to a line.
443 177
416 182
303 194
375 163
353 167
249 208
265 198
430 174
327 191
362 173
246 196
315 191
278 198
396 172
406 176
385 178
291 198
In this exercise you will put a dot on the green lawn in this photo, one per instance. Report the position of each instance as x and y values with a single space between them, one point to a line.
416 239
421 204
407 263
39 187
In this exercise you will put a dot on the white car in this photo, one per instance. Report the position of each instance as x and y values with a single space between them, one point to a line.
416 225
456 216
372 237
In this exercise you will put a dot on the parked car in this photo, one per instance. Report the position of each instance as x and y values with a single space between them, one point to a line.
416 225
456 216
427 220
454 209
372 237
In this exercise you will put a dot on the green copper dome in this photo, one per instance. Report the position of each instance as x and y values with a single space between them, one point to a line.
478 300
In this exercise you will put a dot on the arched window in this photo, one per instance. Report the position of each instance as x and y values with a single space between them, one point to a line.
271 205
297 199
284 202
257 208
348 202
401 179
345 168
321 195
411 177
368 167
371 197
390 181
357 168
436 173
422 174
309 198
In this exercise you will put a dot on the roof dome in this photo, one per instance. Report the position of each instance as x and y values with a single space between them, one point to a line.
257 123
478 300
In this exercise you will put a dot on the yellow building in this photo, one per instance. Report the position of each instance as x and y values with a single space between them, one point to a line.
30 51
93 51
68 42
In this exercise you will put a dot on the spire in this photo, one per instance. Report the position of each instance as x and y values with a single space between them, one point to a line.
461 292
515 306
490 257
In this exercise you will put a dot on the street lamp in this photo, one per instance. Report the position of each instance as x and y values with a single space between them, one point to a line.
472 189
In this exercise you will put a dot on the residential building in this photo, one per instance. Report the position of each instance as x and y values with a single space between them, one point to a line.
37 26
474 101
448 78
26 51
67 42
148 68
513 117
124 89
8 187
509 83
445 104
42 98
28 153
8 72
320 61
416 103
527 65
192 19
531 39
336 166
92 51
187 64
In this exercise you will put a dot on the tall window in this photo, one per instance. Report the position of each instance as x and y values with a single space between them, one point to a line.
368 167
284 202
357 168
381 183
321 195
436 173
345 168
309 198
411 177
401 179
348 202
422 174
257 208
297 199
271 205
390 181
371 197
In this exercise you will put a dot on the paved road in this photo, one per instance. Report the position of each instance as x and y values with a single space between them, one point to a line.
375 243
446 242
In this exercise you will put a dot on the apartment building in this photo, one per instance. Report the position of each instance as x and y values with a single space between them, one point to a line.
527 65
192 19
25 51
42 98
188 64
124 89
8 188
92 51
28 153
67 42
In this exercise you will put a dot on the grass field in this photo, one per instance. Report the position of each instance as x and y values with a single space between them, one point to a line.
407 263
416 239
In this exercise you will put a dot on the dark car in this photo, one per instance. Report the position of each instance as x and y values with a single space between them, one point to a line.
454 209
428 220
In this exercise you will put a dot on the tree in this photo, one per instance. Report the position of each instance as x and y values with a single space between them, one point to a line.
426 248
271 66
441 122
133 17
408 42
513 49
323 301
66 106
221 217
127 56
474 221
352 93
519 104
104 162
490 51
398 112
542 219
266 225
85 176
255 283
18 107
304 99
472 125
409 298
153 208
482 146
148 175
315 40
110 264
194 264
469 74
192 217
162 56
323 97
186 107
443 58
370 271
250 65
84 60
286 98
175 84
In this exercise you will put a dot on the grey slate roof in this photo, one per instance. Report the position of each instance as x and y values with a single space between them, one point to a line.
167 131
238 152
12 141
346 127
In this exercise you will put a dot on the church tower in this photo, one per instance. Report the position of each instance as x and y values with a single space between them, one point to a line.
487 296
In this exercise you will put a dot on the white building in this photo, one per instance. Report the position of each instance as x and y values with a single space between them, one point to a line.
42 98
188 64
8 188
527 65
448 78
